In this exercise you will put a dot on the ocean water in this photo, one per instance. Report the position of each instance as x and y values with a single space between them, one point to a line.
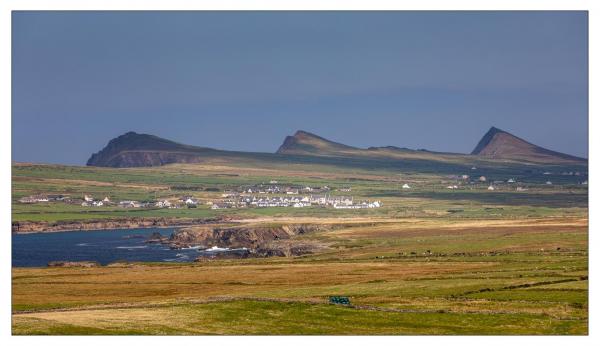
105 246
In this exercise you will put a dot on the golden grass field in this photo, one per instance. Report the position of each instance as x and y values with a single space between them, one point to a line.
463 277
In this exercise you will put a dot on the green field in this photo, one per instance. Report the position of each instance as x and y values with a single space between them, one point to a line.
430 261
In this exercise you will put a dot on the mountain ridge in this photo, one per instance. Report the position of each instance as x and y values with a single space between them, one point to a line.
142 150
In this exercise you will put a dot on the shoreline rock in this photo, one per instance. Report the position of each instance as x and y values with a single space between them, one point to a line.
105 224
74 264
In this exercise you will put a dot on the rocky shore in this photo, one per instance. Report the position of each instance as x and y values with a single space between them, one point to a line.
100 224
260 241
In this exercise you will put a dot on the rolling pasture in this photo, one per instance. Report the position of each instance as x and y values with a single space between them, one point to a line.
430 261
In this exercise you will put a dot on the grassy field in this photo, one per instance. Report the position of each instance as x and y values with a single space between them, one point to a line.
428 196
417 277
430 261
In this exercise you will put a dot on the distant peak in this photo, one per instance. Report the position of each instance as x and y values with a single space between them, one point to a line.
497 143
302 133
304 142
487 139
494 130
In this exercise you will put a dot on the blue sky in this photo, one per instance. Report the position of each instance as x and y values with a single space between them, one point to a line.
245 80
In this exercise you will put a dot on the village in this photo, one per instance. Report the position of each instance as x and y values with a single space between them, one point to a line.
323 200
243 197
274 194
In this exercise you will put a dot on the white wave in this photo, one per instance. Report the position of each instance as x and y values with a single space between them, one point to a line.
131 247
191 248
216 248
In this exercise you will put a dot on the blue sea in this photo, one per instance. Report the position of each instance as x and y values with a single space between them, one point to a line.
105 246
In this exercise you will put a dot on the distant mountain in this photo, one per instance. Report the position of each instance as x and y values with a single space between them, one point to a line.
303 143
499 144
139 150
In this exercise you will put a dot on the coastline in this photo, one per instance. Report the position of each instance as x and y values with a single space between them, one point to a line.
25 227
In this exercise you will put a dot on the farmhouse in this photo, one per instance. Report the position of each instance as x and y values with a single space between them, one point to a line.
191 201
406 186
301 204
163 204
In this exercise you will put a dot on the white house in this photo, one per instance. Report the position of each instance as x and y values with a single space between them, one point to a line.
106 200
163 204
191 201
375 204
406 186
318 199
482 178
511 180
548 182
491 188
88 198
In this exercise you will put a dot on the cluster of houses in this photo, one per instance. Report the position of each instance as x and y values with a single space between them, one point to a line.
463 181
89 201
338 202
187 201
274 188
44 198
